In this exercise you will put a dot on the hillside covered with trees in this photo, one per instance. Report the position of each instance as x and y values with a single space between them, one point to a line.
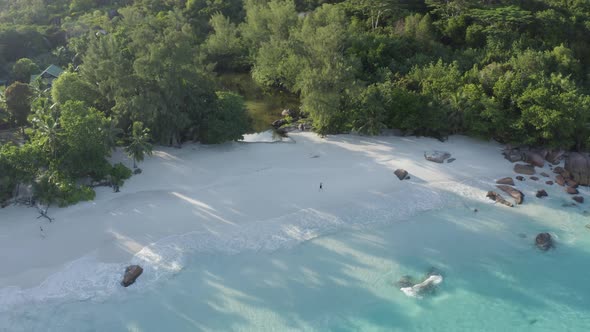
149 71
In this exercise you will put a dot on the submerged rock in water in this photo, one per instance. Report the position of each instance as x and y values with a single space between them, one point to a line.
544 174
401 174
425 287
437 156
515 193
405 281
507 180
571 191
524 169
542 193
543 241
534 178
450 160
132 272
549 182
578 199
494 196
520 178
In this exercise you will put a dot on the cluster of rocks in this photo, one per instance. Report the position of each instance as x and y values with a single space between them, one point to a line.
289 121
576 170
535 157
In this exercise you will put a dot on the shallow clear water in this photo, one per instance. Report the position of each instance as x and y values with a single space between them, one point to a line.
494 280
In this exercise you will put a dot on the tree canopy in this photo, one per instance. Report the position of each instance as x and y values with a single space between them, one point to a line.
514 71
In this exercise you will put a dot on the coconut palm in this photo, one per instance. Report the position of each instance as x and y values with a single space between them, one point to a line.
139 144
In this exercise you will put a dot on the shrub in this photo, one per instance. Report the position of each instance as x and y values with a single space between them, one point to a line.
120 173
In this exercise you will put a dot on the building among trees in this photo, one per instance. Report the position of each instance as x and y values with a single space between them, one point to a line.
48 75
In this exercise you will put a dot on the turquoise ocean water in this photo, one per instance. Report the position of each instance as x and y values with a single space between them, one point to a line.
344 280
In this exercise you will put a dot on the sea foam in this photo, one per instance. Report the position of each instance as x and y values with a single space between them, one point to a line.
88 279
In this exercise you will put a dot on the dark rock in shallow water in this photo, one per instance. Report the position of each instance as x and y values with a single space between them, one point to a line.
534 178
132 272
541 193
520 178
545 174
494 196
437 156
578 199
571 191
549 183
427 286
515 193
543 241
558 170
450 160
507 180
524 169
401 174
405 281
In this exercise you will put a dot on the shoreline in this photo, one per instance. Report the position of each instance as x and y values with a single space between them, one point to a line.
237 188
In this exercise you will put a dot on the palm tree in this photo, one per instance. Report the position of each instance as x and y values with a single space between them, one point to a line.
48 128
112 132
139 144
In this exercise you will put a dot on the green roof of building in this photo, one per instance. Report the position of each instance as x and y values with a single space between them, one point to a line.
52 70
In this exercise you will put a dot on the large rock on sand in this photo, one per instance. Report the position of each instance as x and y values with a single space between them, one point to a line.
543 241
578 166
560 180
534 159
507 180
132 272
437 156
515 193
401 174
524 169
554 156
494 196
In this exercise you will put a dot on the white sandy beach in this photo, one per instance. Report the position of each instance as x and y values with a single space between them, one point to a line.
238 196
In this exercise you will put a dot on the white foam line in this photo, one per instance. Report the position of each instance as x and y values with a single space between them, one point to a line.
89 279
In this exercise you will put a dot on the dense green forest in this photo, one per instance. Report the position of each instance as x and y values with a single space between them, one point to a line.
151 71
